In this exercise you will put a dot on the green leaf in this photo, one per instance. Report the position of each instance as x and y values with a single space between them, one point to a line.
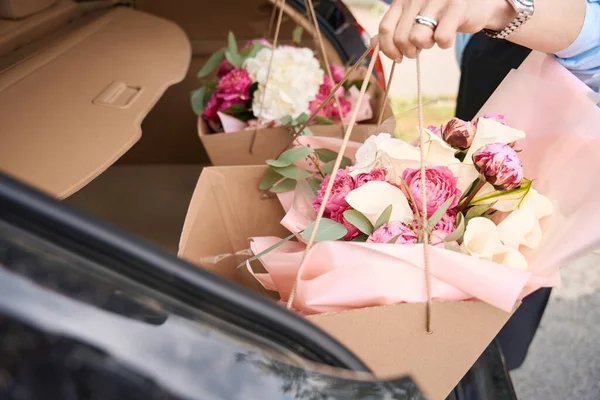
360 238
328 230
521 191
461 155
197 100
439 213
212 63
292 172
252 51
266 251
358 219
290 156
269 179
448 246
477 210
297 34
302 119
232 46
393 240
383 218
326 155
324 120
315 185
235 109
286 120
306 132
458 233
285 186
234 59
327 168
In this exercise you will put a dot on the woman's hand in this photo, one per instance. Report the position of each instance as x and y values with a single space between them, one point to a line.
400 36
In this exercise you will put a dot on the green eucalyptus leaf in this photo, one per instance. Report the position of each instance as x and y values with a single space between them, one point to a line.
458 233
297 34
235 109
286 120
286 185
327 168
393 240
290 156
197 100
384 218
212 63
306 132
234 59
439 213
360 238
232 46
292 172
346 162
448 246
328 230
302 119
326 155
266 251
358 219
324 120
477 210
269 179
315 185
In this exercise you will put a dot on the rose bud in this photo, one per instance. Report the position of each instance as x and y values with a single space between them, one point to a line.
459 133
499 165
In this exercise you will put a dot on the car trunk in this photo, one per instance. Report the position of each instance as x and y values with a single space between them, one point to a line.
94 101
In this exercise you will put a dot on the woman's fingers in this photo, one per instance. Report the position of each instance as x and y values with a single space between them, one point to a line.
404 28
448 25
422 36
387 28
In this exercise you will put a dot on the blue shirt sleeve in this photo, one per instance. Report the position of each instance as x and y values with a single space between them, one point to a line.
462 39
582 57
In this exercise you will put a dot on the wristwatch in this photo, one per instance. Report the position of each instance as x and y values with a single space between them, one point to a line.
524 10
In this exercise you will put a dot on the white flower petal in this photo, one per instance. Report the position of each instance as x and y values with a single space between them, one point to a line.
438 152
510 257
372 198
466 174
490 131
481 238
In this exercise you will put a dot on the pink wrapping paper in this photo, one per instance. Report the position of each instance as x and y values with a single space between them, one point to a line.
560 153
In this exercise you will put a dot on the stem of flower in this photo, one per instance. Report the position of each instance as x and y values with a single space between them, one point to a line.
465 202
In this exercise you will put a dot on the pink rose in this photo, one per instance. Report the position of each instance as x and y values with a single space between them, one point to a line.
447 223
499 165
337 72
459 133
374 175
234 85
440 186
337 204
229 103
224 68
262 41
390 230
211 108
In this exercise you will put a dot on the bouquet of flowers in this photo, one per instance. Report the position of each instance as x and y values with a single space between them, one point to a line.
250 88
479 203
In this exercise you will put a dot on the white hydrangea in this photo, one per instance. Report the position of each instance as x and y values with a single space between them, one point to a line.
296 77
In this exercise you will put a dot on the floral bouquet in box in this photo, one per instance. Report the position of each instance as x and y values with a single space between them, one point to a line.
250 89
484 216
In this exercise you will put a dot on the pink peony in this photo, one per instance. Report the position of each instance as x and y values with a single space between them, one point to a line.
211 108
330 110
447 223
440 186
496 117
224 68
337 72
234 85
374 175
392 229
459 133
229 103
262 41
499 165
337 204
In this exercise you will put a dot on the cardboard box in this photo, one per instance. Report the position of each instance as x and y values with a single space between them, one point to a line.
227 209
233 148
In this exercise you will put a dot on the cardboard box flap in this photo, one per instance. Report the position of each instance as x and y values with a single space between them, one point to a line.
72 107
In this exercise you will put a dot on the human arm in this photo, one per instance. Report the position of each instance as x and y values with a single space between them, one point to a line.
554 26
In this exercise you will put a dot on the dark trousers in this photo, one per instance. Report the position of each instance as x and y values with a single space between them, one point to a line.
485 63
